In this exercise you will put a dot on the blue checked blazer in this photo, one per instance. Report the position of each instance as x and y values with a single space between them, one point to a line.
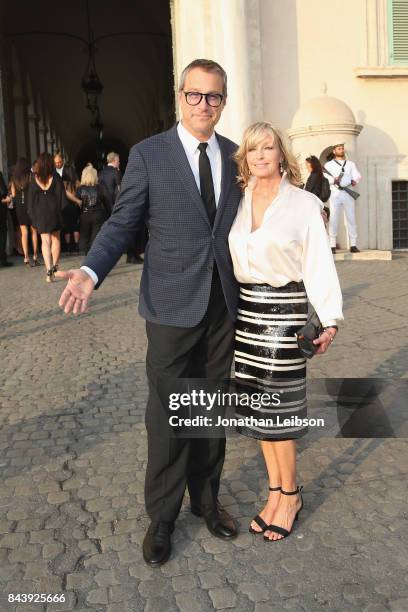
159 188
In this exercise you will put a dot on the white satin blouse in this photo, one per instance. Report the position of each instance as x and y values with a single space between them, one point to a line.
290 245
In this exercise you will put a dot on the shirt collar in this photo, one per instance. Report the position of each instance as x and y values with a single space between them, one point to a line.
190 142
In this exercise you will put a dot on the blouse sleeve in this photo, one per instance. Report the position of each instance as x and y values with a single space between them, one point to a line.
355 174
319 272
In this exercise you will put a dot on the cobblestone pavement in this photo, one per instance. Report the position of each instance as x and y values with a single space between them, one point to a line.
73 455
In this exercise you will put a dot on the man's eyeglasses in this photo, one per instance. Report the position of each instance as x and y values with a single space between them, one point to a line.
193 98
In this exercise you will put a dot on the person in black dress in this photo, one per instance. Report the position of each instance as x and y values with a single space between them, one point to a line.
71 211
4 202
46 198
94 203
318 184
20 181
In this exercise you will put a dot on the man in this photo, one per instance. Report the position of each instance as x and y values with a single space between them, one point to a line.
342 173
111 178
60 166
183 183
4 202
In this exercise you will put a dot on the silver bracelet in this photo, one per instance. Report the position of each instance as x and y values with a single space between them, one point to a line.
332 336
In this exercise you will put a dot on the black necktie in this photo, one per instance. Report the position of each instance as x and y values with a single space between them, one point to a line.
206 182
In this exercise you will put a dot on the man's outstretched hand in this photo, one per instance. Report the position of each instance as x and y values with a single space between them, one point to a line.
77 292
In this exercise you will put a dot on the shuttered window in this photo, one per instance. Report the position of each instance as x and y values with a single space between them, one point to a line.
398 31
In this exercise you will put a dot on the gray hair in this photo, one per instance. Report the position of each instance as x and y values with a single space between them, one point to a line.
111 157
207 66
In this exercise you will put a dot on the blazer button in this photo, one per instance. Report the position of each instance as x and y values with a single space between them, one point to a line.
210 267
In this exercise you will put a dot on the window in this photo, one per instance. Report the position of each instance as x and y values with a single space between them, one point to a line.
386 38
398 31
400 214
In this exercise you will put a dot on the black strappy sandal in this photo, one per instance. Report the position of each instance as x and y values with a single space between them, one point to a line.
259 520
284 532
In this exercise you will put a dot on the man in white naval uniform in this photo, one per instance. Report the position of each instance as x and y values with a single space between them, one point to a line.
343 173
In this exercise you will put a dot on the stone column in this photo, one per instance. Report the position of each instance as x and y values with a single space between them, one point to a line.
227 32
42 130
3 147
50 140
33 121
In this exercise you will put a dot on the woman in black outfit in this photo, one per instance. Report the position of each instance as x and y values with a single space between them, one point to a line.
19 184
71 212
94 207
317 183
46 197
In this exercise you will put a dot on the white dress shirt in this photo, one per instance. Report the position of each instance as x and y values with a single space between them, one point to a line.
60 170
190 145
290 245
350 173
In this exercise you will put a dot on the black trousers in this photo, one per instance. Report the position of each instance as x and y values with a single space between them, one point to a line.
90 224
203 351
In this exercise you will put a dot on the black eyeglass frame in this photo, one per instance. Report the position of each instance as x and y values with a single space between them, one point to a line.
220 96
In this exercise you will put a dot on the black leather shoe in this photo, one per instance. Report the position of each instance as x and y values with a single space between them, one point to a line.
157 544
219 523
333 250
354 249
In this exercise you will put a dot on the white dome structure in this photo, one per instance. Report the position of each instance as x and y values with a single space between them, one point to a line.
323 110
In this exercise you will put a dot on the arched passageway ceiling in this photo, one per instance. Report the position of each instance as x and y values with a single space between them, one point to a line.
136 70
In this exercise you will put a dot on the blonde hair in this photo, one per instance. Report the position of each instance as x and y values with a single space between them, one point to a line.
253 135
89 176
112 156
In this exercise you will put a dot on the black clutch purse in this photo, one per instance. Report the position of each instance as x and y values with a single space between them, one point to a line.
309 332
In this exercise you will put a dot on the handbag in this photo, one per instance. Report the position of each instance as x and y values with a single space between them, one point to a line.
309 332
325 192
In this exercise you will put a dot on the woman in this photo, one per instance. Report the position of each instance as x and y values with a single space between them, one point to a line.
281 257
19 184
46 196
94 207
317 183
71 212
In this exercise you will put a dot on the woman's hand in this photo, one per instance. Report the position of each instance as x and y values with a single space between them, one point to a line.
325 339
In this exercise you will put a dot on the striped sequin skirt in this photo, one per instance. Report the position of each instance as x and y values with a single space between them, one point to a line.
268 361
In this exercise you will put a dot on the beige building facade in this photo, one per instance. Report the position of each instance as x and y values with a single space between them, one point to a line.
323 71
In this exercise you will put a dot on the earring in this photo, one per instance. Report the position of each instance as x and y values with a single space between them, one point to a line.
280 167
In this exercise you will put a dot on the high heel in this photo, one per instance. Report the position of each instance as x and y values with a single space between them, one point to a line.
55 268
259 520
35 263
280 530
27 262
50 276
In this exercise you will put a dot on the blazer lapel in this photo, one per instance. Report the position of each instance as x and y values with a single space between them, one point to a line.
226 178
180 162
